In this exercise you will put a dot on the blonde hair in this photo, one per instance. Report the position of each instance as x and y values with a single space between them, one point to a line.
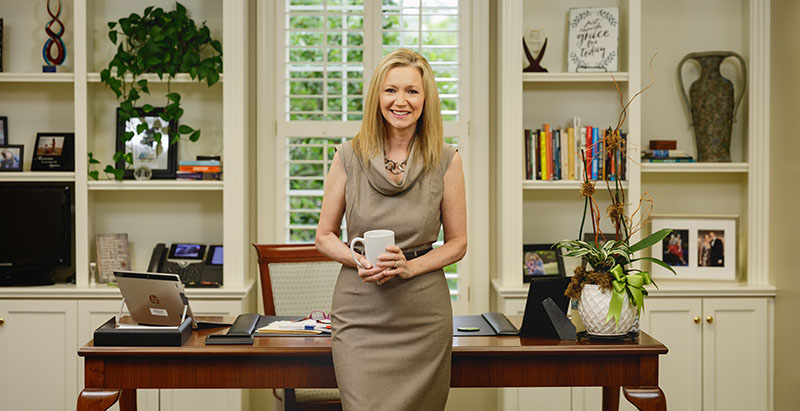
429 137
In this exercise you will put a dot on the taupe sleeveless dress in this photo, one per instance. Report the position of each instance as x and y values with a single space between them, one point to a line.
392 343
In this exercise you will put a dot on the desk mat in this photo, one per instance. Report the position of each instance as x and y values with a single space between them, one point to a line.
476 321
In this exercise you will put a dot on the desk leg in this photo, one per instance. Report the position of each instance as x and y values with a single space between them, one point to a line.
127 401
96 399
611 398
646 398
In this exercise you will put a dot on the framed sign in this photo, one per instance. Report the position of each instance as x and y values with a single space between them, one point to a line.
54 152
112 254
160 155
700 247
593 39
3 130
541 260
11 157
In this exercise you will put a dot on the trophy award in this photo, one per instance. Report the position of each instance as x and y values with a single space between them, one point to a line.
534 42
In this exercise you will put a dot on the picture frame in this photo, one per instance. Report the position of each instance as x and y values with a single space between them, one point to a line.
3 130
162 159
54 152
11 157
541 260
593 41
700 247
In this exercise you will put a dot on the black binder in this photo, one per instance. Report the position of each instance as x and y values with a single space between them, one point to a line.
107 335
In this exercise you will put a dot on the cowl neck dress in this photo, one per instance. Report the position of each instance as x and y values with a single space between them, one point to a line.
392 343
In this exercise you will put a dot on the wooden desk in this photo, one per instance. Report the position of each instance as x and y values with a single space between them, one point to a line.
113 373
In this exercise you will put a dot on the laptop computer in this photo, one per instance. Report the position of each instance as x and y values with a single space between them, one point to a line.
154 298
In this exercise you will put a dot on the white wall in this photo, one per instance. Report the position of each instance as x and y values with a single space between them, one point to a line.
785 198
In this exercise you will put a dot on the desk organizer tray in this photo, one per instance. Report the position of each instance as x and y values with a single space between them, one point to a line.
108 335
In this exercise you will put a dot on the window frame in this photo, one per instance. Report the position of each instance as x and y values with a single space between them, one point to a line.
372 53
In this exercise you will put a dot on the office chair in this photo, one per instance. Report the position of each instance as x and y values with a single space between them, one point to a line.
296 280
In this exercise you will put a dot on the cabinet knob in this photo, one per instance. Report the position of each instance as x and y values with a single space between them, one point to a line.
709 319
2 320
697 320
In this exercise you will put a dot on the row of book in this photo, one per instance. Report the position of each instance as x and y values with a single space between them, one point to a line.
556 154
199 170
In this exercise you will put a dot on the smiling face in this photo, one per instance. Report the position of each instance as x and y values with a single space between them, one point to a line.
402 98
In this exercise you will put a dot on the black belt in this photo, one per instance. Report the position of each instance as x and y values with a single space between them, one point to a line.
410 255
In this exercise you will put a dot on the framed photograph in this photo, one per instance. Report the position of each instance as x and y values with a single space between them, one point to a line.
11 157
699 248
161 157
3 130
541 260
54 152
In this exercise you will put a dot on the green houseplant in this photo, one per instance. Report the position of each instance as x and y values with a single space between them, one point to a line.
164 43
610 260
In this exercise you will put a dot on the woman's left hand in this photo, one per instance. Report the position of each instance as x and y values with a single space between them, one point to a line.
395 262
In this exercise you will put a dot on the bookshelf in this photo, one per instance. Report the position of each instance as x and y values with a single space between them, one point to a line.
211 212
530 211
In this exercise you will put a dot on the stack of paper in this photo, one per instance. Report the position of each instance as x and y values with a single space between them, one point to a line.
309 326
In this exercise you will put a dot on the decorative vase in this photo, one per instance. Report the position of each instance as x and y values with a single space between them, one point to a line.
711 104
593 309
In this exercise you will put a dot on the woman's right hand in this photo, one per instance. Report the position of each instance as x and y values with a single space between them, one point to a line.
370 274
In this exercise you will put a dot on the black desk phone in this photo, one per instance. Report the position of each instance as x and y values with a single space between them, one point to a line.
195 266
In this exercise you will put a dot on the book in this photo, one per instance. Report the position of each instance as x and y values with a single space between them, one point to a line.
197 175
663 144
199 163
671 160
211 169
665 154
543 154
571 153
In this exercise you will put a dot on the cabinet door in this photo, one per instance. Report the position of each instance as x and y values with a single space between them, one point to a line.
37 353
735 354
91 314
672 321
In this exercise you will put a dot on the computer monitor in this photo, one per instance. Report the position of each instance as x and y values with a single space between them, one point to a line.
36 235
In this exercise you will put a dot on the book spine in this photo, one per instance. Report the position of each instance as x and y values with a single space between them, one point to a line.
557 154
543 153
663 144
595 152
209 169
564 134
526 136
671 160
535 154
199 163
571 153
548 151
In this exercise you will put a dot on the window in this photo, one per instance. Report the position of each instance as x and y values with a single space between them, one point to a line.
330 48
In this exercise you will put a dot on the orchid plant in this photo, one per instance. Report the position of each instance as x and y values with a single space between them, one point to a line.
611 262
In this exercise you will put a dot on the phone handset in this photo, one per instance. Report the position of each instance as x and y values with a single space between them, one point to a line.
158 258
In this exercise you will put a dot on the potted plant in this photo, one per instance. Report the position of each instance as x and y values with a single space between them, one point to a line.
609 287
164 43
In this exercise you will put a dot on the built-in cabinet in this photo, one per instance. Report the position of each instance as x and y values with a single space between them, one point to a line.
43 327
724 364
40 334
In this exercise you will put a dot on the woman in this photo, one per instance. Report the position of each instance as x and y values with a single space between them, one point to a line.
392 323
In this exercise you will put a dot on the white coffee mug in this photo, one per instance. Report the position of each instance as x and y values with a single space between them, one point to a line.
375 243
